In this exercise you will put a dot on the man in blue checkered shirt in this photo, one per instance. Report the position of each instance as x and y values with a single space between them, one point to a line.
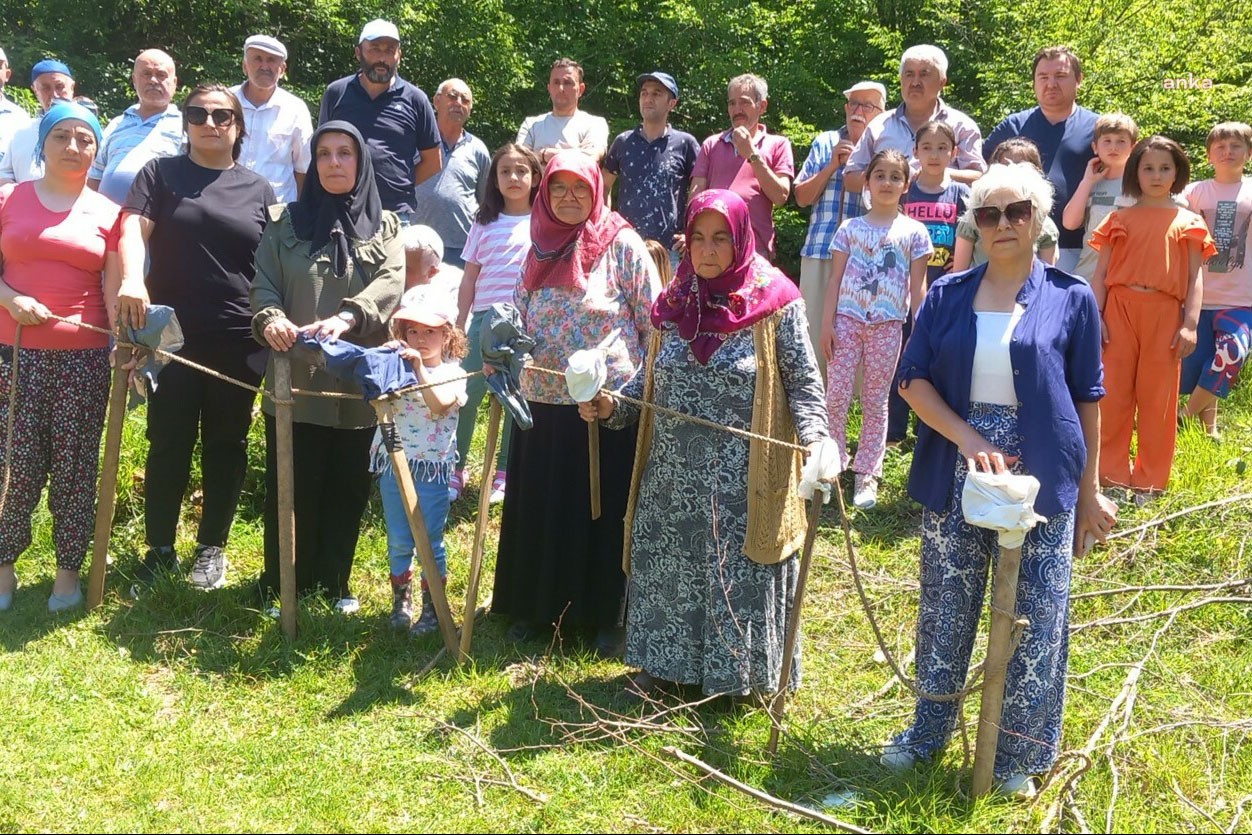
820 184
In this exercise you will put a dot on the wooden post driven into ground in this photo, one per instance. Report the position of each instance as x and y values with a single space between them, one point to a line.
417 523
286 494
107 498
480 531
999 650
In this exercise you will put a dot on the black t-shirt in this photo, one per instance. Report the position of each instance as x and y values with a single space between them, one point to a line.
398 126
202 251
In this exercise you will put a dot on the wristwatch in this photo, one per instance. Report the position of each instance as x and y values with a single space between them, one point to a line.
347 316
755 156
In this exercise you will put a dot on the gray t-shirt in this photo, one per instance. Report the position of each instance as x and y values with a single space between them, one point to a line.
1100 205
448 201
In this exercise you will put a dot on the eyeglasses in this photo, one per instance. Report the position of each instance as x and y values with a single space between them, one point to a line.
580 190
223 117
1017 213
863 105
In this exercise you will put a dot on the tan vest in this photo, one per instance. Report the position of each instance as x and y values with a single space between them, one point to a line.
776 519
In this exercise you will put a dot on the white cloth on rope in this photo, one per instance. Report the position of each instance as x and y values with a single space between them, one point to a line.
1002 502
820 468
585 373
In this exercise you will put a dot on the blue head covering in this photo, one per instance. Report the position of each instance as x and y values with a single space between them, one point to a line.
49 65
59 112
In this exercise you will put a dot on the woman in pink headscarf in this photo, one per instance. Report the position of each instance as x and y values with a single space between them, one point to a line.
588 282
715 518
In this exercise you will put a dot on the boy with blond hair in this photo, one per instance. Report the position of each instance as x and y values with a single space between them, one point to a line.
1101 185
1224 331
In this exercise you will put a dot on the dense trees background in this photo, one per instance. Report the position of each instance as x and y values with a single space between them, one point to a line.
808 50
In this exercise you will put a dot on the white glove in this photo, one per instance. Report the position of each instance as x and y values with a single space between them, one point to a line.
823 465
1002 502
585 373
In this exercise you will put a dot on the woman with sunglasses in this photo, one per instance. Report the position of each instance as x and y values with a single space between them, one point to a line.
195 221
1003 369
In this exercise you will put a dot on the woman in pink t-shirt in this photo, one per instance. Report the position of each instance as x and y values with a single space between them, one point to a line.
59 248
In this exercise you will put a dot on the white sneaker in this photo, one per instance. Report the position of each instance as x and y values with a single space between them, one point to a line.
866 495
497 488
897 758
347 606
1019 787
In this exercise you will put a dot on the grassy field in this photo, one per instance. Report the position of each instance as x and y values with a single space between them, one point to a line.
191 711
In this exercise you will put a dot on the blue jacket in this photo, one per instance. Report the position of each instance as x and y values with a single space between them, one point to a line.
1055 351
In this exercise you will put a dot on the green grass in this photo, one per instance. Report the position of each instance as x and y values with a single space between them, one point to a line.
191 711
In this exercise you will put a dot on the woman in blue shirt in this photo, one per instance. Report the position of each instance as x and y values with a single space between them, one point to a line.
1004 370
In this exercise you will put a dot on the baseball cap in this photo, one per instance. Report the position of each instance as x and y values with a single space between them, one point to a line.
266 43
663 78
867 85
433 309
48 65
379 28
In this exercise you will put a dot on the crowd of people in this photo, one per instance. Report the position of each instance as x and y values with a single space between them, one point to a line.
1037 298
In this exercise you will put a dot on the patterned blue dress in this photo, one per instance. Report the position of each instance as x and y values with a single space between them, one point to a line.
699 611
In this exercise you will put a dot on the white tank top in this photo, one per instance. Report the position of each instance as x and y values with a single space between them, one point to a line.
993 367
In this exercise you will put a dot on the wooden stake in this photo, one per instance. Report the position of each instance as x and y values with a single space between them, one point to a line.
106 500
480 532
417 523
593 457
286 494
793 624
999 649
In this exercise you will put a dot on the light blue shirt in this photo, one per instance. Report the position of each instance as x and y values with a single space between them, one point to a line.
12 119
130 141
824 218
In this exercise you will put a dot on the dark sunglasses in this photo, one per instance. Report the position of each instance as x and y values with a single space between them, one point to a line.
1017 213
223 117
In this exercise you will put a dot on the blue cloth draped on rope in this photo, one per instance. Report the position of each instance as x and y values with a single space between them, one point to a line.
506 350
161 332
378 371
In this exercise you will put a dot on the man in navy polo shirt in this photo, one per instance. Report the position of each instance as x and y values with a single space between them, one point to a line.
654 162
1064 132
394 117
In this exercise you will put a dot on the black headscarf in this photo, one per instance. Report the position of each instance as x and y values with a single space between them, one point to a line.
319 217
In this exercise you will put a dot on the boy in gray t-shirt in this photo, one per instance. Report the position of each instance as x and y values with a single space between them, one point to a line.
1101 184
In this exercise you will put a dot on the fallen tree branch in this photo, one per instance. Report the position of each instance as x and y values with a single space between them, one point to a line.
764 797
1186 607
538 797
1230 584
1187 511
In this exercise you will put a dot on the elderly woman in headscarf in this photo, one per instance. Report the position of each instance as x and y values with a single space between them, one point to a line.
58 253
330 265
714 518
588 282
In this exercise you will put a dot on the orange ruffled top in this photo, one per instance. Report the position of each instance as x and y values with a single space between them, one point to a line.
1150 246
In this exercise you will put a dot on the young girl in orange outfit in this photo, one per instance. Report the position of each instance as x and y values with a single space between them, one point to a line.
1147 283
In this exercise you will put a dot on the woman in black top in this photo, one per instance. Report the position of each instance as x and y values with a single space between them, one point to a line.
197 219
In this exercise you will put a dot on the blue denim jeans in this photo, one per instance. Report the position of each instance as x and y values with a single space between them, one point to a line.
432 497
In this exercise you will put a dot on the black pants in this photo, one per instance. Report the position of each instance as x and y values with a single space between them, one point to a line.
898 411
187 404
332 488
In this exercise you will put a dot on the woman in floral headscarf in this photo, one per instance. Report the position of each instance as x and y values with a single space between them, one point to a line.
588 282
714 517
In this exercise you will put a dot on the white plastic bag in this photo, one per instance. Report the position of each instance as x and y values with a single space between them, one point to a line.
585 373
1002 502
821 468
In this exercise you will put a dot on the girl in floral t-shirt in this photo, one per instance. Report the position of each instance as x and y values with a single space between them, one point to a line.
426 336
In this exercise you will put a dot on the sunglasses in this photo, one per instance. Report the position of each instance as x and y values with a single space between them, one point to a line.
223 117
1017 213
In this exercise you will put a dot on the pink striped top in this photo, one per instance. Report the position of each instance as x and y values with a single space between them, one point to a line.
499 248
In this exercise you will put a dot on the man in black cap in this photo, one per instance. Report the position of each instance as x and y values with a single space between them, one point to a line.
654 163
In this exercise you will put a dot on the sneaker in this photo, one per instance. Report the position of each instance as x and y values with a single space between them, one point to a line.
1019 787
347 605
866 495
208 571
897 758
61 602
159 561
456 485
497 488
6 599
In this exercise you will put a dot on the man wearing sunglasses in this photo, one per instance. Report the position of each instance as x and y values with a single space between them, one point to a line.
147 130
278 124
394 117
820 185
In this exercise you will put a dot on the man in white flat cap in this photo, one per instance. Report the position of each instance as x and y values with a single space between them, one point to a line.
820 185
12 116
278 124
394 117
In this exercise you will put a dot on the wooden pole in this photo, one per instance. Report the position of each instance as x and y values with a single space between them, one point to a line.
286 494
106 500
593 457
480 532
1003 609
417 523
793 624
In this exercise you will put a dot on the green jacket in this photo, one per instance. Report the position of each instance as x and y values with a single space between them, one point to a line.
290 282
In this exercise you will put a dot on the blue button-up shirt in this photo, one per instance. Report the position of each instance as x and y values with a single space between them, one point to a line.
824 218
1055 351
